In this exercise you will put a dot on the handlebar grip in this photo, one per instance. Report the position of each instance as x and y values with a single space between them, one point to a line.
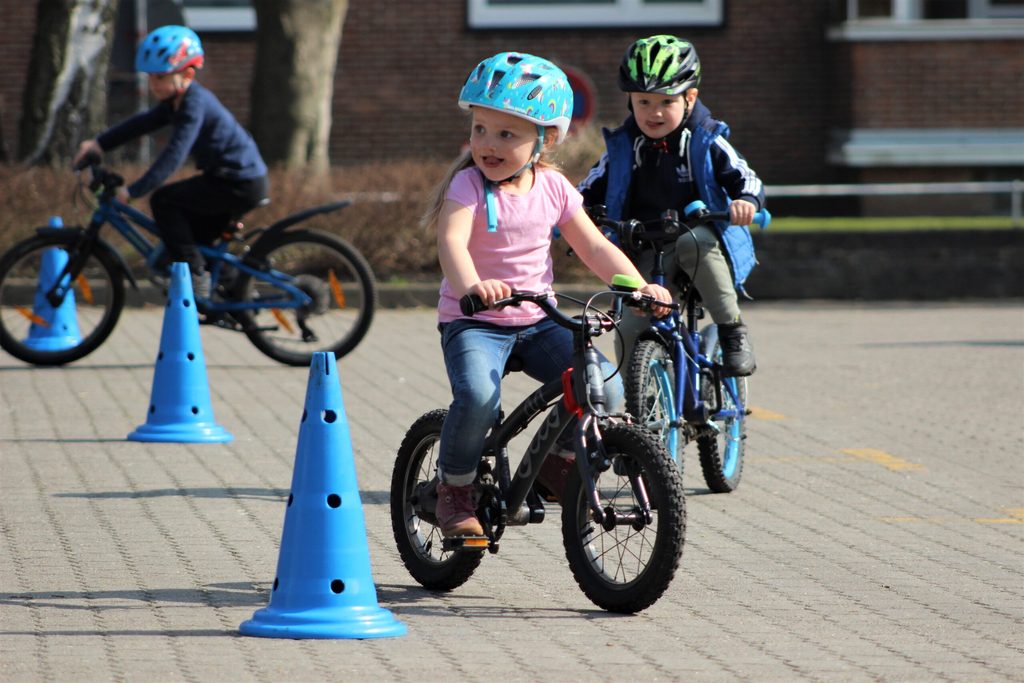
762 218
91 158
471 304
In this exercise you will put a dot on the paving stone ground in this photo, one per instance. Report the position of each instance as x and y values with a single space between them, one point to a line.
878 534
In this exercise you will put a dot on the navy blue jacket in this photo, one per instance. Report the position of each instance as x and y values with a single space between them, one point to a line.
712 170
202 127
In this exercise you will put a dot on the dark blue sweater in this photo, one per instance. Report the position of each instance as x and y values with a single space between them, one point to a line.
202 127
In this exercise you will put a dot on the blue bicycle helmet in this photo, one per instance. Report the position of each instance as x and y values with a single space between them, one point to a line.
169 49
522 85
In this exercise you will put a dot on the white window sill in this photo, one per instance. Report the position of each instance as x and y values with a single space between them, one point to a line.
887 147
932 29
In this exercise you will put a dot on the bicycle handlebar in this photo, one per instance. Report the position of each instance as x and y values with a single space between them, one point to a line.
634 233
471 304
103 179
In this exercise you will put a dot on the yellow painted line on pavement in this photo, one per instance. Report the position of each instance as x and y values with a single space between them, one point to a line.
1013 516
765 414
882 458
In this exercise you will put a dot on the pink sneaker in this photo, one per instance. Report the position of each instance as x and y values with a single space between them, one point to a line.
456 510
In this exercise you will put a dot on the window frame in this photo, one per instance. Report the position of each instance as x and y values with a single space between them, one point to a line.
228 17
483 14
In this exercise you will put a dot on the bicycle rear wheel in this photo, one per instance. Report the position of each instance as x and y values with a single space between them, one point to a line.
419 540
650 397
31 328
721 451
626 567
332 273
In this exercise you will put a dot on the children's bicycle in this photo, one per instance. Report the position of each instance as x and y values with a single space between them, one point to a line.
292 292
674 384
623 512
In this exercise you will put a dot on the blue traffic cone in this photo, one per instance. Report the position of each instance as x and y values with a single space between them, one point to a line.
323 587
179 405
53 329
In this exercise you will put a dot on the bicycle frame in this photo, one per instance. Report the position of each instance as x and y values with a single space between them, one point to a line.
578 386
124 219
684 342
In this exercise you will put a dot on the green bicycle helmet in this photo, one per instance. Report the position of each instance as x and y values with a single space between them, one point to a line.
660 64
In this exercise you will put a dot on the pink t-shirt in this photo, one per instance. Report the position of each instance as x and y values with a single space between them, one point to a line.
519 252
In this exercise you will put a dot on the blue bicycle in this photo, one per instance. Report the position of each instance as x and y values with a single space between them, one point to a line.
674 382
292 292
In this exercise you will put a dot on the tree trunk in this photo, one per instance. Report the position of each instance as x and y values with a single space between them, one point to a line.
297 45
66 91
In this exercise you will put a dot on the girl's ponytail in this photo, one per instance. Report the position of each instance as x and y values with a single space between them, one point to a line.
429 219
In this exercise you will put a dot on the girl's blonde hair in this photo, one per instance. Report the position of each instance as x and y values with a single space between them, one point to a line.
464 161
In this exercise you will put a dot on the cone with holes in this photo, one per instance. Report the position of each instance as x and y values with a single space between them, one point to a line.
323 587
179 405
53 329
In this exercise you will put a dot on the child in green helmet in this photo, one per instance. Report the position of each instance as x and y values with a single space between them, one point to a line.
668 153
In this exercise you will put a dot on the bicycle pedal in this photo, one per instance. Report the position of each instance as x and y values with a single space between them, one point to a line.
475 543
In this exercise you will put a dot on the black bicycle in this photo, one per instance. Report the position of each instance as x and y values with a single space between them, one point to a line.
623 511
292 292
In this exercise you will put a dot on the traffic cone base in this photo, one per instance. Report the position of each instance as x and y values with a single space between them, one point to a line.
179 406
323 587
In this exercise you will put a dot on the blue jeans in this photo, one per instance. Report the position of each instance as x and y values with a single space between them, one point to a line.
475 354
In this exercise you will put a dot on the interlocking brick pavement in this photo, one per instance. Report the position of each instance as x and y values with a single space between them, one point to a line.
878 533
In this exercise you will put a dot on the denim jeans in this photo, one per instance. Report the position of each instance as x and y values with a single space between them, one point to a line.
475 354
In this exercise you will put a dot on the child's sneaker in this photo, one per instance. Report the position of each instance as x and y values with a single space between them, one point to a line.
456 510
737 353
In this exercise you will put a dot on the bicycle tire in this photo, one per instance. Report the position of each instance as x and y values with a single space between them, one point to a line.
650 395
333 273
32 330
721 453
626 569
419 541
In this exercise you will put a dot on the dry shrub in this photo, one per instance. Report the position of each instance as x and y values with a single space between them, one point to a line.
382 222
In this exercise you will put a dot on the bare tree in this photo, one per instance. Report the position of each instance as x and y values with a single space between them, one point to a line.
67 78
297 45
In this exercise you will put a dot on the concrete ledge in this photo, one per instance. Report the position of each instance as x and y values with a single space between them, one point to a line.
934 265
930 265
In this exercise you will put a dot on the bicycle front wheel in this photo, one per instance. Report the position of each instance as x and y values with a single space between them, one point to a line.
721 449
419 540
35 330
650 397
334 275
626 563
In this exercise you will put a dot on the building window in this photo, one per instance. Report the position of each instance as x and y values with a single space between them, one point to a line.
219 15
915 10
592 13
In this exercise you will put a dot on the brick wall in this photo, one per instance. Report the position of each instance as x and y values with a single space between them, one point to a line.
16 31
399 78
769 71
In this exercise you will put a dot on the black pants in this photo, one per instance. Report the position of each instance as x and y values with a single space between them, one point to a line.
196 210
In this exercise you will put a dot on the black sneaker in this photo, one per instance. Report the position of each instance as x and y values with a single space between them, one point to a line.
737 353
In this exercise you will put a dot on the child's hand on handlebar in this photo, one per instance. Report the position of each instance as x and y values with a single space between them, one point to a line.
741 212
122 195
661 294
85 149
490 291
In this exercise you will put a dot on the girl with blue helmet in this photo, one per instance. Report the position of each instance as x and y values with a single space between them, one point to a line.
233 176
494 214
